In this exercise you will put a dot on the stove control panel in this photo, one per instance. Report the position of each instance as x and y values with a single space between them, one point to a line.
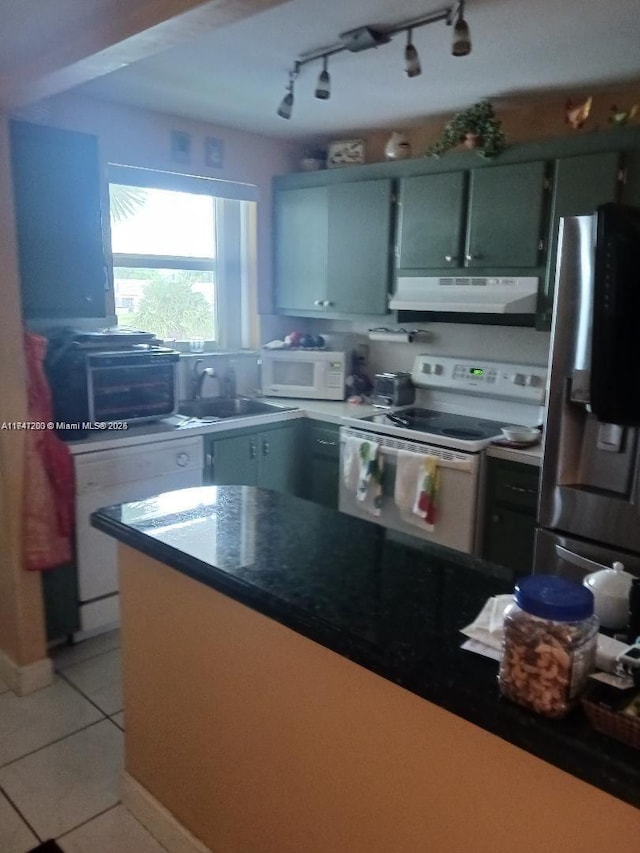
523 382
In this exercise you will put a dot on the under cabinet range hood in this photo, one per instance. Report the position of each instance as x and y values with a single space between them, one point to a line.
466 294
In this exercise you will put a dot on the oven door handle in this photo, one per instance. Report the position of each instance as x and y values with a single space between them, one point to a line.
390 446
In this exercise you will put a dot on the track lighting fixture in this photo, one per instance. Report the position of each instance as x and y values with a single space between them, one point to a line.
323 88
461 44
367 37
411 58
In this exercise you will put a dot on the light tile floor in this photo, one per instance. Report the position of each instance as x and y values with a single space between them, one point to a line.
61 758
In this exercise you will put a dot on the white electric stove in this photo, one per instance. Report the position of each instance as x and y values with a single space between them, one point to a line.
468 402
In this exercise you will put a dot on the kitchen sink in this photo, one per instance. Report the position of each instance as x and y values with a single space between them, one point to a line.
221 408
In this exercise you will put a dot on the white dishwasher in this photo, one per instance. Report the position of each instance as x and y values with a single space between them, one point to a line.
107 477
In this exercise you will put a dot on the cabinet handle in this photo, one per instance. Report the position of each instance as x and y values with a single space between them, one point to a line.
327 303
318 303
473 257
265 448
584 562
326 443
252 450
448 258
208 460
521 489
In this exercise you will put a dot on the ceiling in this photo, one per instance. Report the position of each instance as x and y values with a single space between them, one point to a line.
235 76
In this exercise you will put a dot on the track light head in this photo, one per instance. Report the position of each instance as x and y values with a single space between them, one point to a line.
461 43
323 87
411 58
286 104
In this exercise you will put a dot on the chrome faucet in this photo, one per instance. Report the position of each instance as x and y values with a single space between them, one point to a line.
199 377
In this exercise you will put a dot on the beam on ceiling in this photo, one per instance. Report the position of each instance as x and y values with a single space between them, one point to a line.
114 35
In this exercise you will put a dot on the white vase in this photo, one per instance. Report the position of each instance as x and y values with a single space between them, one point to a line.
397 147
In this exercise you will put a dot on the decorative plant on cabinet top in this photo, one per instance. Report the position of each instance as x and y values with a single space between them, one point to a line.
477 128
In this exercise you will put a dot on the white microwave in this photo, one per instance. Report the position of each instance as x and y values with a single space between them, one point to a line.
309 374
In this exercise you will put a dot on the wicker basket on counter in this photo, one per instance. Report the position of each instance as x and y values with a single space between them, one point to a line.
622 727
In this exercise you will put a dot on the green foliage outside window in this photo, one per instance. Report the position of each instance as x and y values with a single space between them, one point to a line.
169 306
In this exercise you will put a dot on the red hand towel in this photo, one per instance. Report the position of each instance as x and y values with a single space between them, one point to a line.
48 497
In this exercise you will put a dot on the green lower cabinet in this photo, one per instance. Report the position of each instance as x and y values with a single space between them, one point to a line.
267 458
234 461
320 468
278 459
511 500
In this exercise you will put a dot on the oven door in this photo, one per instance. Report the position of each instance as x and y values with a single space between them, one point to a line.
458 494
131 386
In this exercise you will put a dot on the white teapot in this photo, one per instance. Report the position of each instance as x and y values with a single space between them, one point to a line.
610 588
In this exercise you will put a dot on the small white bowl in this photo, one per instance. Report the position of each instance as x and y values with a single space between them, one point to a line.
521 433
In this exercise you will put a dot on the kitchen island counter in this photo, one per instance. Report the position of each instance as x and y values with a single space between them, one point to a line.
387 603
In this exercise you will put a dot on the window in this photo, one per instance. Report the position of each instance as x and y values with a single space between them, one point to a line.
182 256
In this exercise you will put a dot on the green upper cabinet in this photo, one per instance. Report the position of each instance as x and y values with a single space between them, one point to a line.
504 222
301 228
358 250
488 218
56 180
631 178
332 248
431 220
581 184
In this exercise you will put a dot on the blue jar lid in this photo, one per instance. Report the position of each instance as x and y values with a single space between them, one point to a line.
551 597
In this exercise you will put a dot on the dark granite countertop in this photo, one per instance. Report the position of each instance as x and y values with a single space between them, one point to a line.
392 604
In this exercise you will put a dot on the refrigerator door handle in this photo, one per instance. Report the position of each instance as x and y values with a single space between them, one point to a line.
583 562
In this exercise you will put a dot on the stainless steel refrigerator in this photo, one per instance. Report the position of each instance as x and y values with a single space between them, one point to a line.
589 510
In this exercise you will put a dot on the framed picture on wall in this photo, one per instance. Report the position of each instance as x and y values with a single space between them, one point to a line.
180 146
213 152
345 152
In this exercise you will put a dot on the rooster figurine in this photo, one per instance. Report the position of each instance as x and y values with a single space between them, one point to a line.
577 115
622 117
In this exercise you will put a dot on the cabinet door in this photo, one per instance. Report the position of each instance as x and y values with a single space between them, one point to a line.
359 245
510 537
580 185
431 221
321 470
301 248
278 468
510 513
56 181
631 185
235 461
505 216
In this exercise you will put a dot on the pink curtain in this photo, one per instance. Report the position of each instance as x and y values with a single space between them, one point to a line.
48 498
